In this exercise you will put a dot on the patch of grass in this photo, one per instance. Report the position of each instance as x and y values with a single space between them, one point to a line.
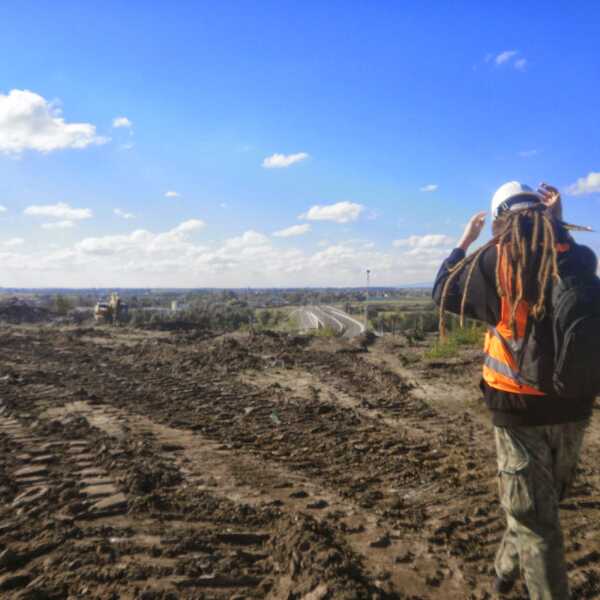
326 331
446 348
291 324
454 340
276 319
468 336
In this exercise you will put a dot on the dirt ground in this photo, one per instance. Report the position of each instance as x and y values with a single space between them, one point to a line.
166 466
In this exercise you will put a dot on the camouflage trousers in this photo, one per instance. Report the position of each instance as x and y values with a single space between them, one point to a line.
536 466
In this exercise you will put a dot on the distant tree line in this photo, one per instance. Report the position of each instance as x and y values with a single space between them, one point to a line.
219 316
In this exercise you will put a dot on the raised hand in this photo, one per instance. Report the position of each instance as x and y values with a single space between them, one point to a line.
472 230
550 197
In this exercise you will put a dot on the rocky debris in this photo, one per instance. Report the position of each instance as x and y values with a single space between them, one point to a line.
383 542
318 560
319 593
364 340
144 476
299 494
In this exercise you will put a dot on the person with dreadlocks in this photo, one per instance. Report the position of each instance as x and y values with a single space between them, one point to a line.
507 284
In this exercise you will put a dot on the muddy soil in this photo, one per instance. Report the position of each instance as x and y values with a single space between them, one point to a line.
17 311
166 465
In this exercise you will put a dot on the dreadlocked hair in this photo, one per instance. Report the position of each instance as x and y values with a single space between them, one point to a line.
527 240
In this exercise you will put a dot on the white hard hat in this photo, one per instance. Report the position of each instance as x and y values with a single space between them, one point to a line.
513 196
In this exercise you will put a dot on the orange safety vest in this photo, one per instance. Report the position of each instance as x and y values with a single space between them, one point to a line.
500 368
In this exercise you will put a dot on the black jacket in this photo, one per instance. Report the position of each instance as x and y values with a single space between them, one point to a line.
483 304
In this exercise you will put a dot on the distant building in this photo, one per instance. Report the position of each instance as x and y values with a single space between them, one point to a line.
177 306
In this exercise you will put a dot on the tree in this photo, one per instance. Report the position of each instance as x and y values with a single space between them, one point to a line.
264 317
62 305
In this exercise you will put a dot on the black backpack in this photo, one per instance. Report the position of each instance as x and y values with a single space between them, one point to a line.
576 330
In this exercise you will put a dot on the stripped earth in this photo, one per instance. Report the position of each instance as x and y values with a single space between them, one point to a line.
187 465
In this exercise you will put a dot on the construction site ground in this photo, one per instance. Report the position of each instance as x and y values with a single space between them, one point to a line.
185 465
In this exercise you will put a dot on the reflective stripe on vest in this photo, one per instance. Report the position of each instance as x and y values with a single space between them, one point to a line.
513 346
500 367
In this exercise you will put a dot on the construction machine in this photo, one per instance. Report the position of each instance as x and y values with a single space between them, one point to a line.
113 311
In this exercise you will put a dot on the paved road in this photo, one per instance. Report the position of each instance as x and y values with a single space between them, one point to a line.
308 319
313 317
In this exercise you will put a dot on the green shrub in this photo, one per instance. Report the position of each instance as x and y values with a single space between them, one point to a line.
446 348
326 331
62 304
468 336
460 336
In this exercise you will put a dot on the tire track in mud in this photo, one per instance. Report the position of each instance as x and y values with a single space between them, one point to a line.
471 535
38 456
246 443
476 539
146 546
148 549
412 564
99 518
209 466
470 522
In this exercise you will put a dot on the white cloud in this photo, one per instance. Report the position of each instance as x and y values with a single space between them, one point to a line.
122 122
123 214
430 187
29 122
59 225
279 161
141 244
521 64
508 57
172 194
428 252
174 259
11 243
293 231
189 226
505 56
590 184
3 209
247 239
341 212
432 240
61 210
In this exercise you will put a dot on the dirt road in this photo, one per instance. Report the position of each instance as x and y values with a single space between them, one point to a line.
183 466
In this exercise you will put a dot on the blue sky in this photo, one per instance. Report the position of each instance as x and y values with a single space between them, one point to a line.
368 105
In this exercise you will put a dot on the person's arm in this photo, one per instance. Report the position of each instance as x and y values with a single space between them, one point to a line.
452 299
482 303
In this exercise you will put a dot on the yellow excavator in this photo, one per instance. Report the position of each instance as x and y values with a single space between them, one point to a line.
112 312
